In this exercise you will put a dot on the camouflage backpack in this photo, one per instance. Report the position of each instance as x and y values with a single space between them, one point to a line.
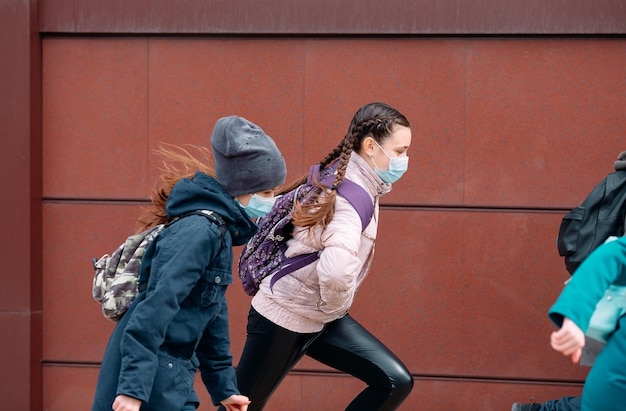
116 281
264 254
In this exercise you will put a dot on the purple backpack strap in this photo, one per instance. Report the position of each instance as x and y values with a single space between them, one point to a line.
360 200
292 264
351 191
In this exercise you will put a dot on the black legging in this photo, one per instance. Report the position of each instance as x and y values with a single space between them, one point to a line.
271 352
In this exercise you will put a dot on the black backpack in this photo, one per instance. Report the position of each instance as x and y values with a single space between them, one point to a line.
600 216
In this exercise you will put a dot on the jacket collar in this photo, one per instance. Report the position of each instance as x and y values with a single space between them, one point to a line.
359 170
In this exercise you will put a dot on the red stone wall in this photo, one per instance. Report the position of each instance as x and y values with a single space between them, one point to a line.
517 112
508 133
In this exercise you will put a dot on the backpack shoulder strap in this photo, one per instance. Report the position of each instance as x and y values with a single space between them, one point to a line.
351 191
216 218
211 215
360 200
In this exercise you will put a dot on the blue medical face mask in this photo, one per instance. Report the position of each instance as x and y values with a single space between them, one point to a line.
397 167
258 206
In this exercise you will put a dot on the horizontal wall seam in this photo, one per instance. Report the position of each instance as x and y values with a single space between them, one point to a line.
429 377
388 206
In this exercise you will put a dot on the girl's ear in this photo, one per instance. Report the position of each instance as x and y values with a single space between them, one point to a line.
368 145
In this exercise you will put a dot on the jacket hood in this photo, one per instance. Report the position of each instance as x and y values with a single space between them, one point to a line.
203 192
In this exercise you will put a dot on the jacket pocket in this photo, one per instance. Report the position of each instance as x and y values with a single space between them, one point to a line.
608 311
208 294
173 383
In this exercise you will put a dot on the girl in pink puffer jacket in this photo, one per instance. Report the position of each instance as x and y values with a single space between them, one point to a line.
306 312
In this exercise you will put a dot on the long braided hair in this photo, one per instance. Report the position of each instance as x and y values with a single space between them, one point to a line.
375 120
177 163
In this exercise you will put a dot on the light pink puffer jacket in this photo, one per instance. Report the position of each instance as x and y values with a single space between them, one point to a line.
323 291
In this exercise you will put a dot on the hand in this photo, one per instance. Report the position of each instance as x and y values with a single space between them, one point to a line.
236 403
126 403
569 340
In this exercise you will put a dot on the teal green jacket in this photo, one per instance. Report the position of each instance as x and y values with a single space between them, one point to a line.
604 267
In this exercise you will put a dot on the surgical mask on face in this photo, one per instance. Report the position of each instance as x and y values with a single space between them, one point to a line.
258 206
397 167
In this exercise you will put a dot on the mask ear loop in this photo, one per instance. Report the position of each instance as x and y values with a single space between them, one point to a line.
382 149
372 160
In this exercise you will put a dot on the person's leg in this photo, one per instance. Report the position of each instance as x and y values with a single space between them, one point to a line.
346 346
269 353
531 406
605 387
562 404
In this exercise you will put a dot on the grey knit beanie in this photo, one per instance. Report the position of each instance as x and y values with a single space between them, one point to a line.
246 159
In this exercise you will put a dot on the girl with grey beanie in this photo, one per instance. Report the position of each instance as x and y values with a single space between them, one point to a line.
179 323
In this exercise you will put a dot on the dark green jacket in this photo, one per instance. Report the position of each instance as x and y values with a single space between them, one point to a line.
180 322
